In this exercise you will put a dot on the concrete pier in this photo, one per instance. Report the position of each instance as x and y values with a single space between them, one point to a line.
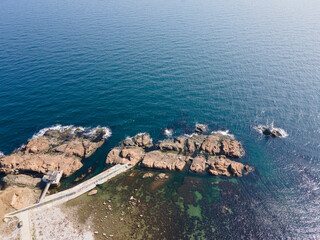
64 196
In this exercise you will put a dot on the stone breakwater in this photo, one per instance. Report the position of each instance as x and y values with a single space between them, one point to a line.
57 148
207 153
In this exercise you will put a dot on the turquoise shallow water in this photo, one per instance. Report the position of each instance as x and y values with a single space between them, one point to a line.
141 66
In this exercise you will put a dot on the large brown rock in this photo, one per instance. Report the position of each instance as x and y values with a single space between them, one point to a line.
222 166
130 155
75 148
37 145
211 145
219 166
236 168
22 180
141 140
231 148
39 163
194 143
176 144
198 164
160 160
14 198
54 150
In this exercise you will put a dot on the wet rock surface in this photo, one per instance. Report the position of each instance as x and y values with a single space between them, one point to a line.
131 151
222 166
140 140
208 153
54 150
271 131
201 128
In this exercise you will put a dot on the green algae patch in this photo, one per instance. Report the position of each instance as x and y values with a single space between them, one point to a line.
198 196
180 203
194 211
214 194
217 180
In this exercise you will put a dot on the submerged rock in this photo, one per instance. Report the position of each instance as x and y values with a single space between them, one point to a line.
270 130
93 192
147 175
54 149
162 176
201 128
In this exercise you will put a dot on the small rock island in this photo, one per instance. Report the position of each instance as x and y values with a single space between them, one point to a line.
203 153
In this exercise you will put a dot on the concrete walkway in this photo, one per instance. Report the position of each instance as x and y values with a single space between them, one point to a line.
64 196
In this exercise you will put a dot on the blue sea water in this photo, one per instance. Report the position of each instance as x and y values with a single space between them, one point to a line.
142 66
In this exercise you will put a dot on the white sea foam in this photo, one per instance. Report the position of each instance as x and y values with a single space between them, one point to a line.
260 128
190 135
139 134
200 125
225 133
86 131
283 133
1 154
168 132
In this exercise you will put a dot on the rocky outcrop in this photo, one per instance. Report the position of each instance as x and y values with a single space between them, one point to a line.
271 131
176 144
140 140
221 166
194 143
54 150
40 163
14 198
231 148
132 150
208 153
22 180
165 161
198 164
201 128
211 145
127 155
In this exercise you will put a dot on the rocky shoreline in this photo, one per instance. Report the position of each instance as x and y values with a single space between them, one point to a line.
52 149
64 148
207 153
55 149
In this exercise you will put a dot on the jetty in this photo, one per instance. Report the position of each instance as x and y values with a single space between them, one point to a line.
62 197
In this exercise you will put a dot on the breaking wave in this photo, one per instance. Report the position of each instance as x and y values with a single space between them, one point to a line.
223 132
1 154
168 132
86 131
